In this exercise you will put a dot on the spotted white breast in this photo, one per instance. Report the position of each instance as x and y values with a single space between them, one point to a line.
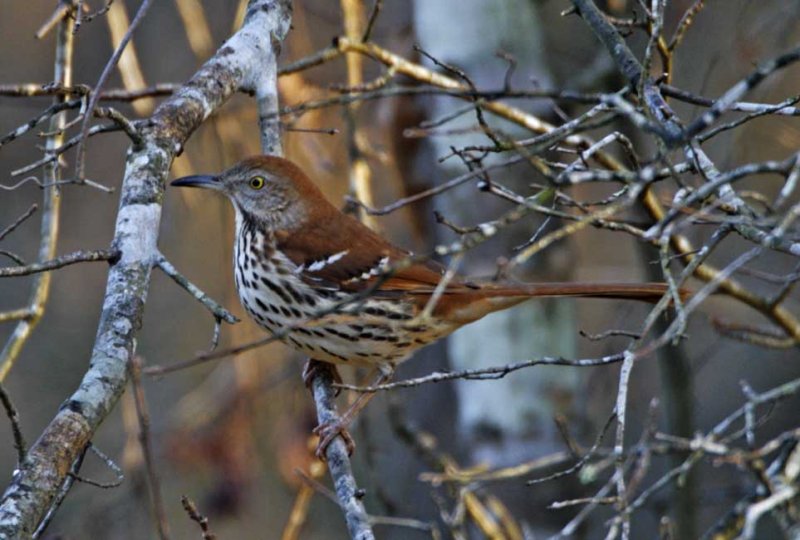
280 294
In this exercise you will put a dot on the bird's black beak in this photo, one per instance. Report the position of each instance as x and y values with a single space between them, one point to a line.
199 180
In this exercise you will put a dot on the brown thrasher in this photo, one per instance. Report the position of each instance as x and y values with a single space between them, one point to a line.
297 256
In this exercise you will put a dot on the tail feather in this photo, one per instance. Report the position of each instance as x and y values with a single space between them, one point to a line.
645 292
465 308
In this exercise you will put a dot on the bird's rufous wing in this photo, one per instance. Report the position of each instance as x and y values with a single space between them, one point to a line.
347 255
337 251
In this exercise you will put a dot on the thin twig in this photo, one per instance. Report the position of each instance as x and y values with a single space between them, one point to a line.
153 480
197 517
489 373
61 13
54 157
16 430
60 262
739 106
620 410
66 486
112 94
28 213
219 312
110 464
350 496
739 89
98 87
373 16
120 120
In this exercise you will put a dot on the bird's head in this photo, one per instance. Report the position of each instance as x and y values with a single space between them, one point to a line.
268 190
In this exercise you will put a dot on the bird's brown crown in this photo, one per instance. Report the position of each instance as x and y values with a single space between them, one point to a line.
273 192
282 170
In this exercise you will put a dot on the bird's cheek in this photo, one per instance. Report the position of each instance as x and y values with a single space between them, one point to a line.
243 202
270 203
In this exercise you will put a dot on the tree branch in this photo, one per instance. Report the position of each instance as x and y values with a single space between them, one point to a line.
338 460
16 430
241 59
60 262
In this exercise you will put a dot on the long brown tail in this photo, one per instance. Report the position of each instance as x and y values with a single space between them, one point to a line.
465 307
645 292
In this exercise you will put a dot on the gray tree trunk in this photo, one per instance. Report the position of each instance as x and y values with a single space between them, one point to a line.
510 420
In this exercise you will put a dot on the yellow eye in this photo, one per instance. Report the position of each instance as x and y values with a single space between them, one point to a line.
257 182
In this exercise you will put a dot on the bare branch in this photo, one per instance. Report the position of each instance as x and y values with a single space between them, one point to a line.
153 481
338 460
60 262
37 483
197 517
112 62
112 94
216 309
486 373
735 93
782 109
28 213
13 417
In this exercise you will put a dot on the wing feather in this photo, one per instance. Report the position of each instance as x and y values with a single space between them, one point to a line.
341 252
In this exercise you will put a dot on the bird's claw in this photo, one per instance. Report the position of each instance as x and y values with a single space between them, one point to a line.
327 432
314 367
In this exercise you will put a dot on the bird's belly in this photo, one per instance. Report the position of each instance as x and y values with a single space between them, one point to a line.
373 334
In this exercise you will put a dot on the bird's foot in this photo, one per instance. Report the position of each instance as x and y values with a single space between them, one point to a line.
315 367
328 432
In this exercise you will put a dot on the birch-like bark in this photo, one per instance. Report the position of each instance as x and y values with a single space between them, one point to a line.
242 63
344 483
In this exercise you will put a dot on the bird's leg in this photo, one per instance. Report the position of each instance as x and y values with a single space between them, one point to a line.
328 431
313 367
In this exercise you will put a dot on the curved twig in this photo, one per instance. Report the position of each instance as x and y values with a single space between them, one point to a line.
244 56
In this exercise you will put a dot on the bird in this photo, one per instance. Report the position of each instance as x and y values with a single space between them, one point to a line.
341 294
